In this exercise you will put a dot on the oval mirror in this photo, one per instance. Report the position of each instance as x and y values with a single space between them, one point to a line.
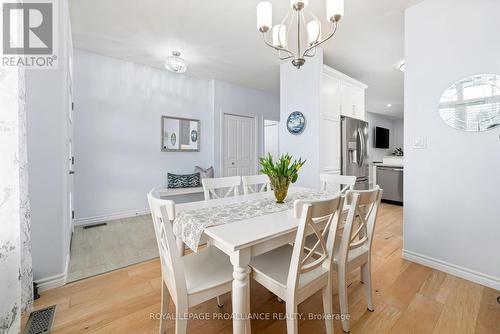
472 104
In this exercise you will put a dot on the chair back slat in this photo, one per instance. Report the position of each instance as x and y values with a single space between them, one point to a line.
360 223
255 183
163 215
319 218
211 185
341 183
155 202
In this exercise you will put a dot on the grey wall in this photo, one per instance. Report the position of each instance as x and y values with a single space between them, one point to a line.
451 215
395 127
238 100
117 129
398 133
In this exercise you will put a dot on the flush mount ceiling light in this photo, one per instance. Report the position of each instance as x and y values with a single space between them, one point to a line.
389 105
308 32
175 63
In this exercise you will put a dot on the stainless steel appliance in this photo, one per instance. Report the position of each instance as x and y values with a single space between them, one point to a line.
391 180
354 157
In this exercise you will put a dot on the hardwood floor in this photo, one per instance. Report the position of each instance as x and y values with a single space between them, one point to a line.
408 298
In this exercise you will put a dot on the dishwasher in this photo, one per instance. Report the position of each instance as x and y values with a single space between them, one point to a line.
390 179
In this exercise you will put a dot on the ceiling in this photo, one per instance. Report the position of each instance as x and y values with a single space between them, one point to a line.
219 40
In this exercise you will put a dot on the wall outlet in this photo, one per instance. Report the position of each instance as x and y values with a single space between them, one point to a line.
420 142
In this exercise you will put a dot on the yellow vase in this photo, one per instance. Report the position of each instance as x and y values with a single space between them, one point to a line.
280 187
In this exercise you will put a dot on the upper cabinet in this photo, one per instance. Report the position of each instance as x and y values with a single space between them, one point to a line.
353 101
342 95
331 98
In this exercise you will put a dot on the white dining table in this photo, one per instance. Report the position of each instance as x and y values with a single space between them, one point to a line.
241 240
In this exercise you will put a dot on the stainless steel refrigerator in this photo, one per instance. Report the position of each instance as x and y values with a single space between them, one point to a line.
354 157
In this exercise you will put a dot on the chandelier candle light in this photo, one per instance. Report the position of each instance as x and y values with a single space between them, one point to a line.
306 47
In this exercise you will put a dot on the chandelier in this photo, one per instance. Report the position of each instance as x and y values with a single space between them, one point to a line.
175 63
309 35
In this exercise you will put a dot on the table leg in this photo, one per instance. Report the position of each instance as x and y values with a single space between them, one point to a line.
240 296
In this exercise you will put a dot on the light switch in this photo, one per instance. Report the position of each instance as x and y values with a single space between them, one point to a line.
420 142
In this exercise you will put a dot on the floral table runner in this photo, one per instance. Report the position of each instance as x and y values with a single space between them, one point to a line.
189 225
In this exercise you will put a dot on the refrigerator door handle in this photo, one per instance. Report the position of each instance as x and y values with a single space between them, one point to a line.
361 160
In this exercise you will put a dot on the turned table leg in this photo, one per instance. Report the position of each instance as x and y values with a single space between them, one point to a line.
240 296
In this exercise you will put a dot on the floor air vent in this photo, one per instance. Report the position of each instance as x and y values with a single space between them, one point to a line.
94 225
40 322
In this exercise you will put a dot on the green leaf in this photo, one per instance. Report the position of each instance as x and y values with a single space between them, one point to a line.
283 169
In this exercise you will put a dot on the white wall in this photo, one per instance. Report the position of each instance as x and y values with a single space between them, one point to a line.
14 197
300 91
237 100
47 105
118 125
451 215
118 109
395 127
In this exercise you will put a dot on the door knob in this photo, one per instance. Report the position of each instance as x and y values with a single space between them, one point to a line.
232 163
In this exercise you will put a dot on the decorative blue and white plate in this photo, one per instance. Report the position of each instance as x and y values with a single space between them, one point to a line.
296 123
194 135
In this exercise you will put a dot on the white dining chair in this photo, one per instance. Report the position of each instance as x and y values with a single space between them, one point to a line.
337 182
186 280
293 273
255 184
340 183
153 193
354 249
230 184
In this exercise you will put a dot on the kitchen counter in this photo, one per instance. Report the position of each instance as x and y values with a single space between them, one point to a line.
381 164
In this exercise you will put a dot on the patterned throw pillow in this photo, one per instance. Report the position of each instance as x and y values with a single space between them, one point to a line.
183 181
205 173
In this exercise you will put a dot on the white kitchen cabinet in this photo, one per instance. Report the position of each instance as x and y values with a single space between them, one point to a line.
331 98
352 101
340 96
358 103
330 144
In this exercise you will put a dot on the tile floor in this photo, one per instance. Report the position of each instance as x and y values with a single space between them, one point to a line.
120 243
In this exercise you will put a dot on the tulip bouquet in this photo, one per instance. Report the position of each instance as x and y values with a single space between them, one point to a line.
281 173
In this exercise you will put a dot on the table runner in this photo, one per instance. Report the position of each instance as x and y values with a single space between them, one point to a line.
189 225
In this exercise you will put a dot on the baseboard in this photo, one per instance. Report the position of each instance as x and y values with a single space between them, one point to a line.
51 282
55 281
109 216
452 269
66 268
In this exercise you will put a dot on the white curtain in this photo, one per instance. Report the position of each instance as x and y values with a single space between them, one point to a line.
16 277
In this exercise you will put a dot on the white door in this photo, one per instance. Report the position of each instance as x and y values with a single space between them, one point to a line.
271 138
239 145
